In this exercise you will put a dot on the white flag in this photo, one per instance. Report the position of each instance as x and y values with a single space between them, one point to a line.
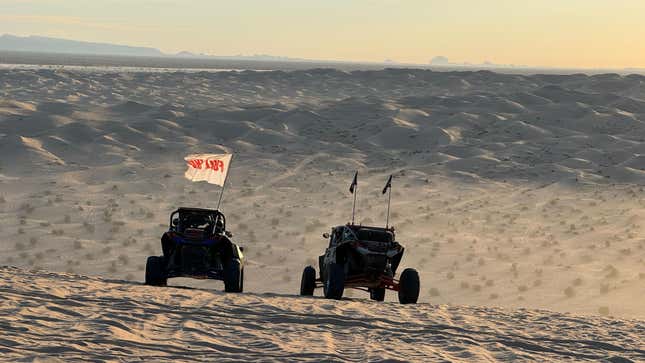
211 168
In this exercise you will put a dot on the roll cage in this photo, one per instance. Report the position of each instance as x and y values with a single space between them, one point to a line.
185 217
349 233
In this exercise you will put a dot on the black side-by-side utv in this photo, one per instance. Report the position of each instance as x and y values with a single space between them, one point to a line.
197 245
364 258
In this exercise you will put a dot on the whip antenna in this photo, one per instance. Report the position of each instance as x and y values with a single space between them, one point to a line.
354 190
388 188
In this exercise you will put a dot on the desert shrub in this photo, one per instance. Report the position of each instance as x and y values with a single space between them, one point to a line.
450 275
58 232
522 288
569 292
434 292
604 289
577 282
45 224
89 227
21 231
493 296
20 246
33 241
23 221
124 259
611 271
27 208
2 200
464 285
603 310
147 247
78 245
112 268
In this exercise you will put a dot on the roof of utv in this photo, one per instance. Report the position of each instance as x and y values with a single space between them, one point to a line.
372 233
197 210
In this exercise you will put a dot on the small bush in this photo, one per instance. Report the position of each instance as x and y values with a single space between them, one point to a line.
434 292
124 259
89 227
569 292
577 282
603 310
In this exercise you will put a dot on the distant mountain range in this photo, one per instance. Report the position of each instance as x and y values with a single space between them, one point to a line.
40 44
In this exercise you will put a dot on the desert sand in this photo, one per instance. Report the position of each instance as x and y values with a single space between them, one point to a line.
510 193
66 317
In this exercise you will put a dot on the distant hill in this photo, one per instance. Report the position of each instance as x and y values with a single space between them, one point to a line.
40 44
56 45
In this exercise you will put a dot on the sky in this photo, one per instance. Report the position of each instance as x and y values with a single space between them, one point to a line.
549 33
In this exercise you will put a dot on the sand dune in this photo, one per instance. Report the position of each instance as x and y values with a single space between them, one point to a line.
514 191
66 317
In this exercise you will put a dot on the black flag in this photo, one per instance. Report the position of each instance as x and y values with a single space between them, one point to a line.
388 184
354 183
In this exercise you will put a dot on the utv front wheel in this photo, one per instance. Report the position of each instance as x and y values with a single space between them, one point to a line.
155 272
234 277
409 286
335 282
308 282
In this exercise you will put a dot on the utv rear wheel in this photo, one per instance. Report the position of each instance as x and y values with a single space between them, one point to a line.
377 294
155 271
409 286
308 282
335 282
234 277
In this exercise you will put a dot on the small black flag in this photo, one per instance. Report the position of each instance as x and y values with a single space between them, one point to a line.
388 184
354 183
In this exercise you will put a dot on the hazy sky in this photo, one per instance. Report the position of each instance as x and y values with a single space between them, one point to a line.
571 33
